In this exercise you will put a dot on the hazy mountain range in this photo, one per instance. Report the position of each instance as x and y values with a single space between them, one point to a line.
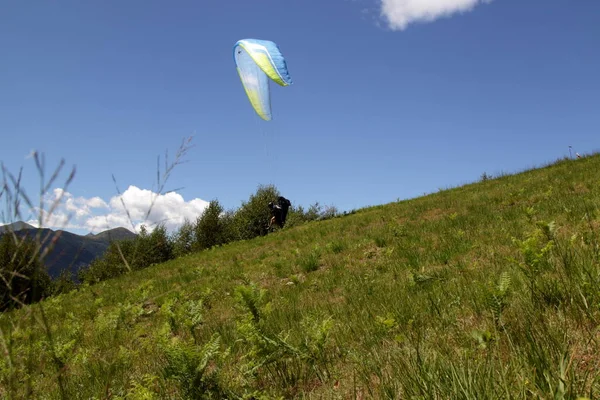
70 251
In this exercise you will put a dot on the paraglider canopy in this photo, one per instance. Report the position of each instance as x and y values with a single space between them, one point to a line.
257 61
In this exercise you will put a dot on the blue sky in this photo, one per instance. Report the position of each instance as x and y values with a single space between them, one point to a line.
391 98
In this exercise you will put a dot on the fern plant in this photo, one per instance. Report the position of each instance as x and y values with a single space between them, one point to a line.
536 251
275 357
498 298
195 368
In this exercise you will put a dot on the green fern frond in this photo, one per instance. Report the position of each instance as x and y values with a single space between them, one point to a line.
504 283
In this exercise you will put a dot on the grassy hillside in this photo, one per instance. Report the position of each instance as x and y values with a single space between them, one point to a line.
490 290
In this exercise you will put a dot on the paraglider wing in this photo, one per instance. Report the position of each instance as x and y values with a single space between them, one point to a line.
258 61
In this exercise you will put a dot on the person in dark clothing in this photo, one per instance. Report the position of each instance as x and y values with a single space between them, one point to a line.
279 211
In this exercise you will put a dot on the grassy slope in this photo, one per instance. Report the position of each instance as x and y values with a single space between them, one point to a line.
426 298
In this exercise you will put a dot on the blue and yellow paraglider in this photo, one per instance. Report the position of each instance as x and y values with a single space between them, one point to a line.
258 61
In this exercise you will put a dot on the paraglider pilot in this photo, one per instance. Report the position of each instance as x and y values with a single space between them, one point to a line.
279 211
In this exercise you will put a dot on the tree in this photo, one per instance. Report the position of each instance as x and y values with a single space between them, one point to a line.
123 256
23 278
252 219
184 239
153 248
111 263
209 229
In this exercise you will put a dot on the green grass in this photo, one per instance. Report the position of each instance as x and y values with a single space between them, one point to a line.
485 291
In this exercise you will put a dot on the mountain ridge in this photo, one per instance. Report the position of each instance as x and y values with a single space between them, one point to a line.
70 251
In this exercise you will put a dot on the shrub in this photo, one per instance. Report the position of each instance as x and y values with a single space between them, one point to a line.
63 284
297 215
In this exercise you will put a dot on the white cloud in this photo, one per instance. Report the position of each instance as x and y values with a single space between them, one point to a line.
96 202
96 215
55 220
400 13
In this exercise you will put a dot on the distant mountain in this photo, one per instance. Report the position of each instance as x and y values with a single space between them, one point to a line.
16 226
70 251
113 234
